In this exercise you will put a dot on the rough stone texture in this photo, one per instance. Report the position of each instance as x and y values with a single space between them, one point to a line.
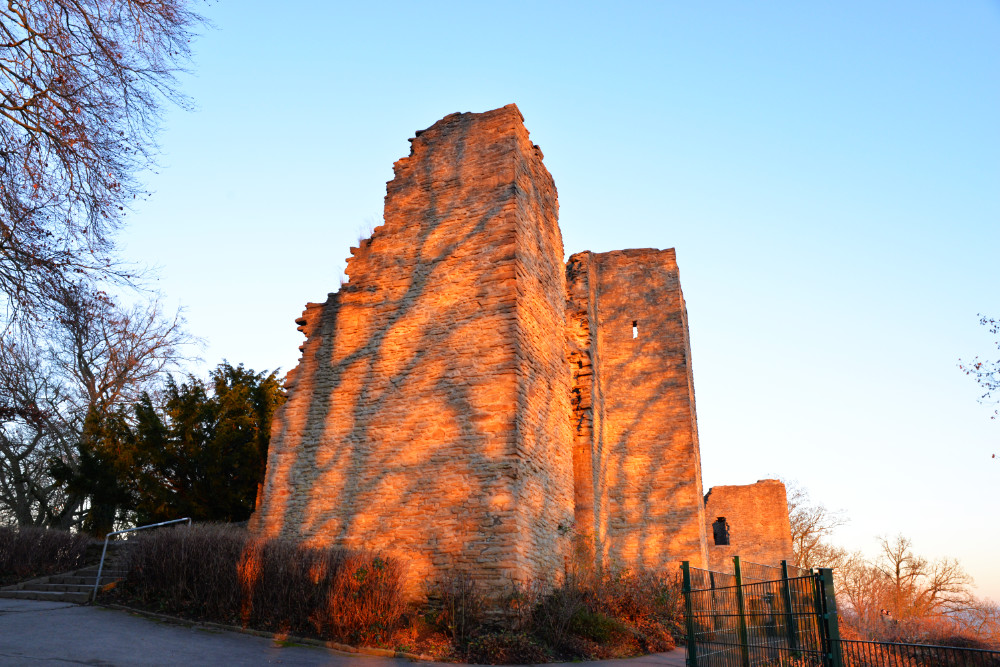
468 402
636 458
757 515
428 415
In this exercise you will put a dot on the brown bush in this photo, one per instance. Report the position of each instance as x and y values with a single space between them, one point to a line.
592 615
463 606
649 602
27 552
364 602
554 615
221 573
505 648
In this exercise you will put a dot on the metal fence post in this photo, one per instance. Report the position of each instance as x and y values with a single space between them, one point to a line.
715 604
793 639
692 643
741 607
829 618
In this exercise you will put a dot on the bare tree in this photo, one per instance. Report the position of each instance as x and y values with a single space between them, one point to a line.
864 589
81 86
900 595
30 433
96 358
812 525
982 620
920 588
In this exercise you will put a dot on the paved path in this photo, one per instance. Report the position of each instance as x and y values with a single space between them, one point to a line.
39 633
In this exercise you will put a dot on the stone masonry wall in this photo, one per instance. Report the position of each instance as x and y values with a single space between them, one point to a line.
428 415
467 402
757 519
638 466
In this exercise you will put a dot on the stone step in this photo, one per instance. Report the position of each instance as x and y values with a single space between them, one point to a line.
92 573
107 566
105 576
66 582
76 586
82 580
76 597
61 588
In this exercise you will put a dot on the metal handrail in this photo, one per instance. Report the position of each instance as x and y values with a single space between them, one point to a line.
100 568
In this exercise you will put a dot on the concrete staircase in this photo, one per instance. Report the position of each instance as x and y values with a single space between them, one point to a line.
76 586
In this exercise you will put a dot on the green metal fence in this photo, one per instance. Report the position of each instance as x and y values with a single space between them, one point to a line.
890 654
760 615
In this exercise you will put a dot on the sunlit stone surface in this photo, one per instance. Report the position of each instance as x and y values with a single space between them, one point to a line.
468 402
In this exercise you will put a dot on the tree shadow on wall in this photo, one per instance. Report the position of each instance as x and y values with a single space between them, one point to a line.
647 445
392 438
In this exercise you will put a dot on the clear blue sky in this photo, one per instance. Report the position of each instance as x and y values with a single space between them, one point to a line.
828 173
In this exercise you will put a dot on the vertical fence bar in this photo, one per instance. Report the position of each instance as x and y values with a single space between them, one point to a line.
716 623
741 610
692 641
820 627
793 640
829 618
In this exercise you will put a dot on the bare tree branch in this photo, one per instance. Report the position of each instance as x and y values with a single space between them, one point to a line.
986 373
93 358
812 526
82 83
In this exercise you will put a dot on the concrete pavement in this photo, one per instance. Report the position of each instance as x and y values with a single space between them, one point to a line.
34 632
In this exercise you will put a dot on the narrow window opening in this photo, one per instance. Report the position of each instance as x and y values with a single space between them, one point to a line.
635 328
720 531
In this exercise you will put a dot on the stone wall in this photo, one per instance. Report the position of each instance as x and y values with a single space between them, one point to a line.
467 402
428 415
636 456
756 516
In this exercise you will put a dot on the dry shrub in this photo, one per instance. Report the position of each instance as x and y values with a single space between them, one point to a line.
647 601
606 615
28 552
518 602
187 570
505 648
364 602
222 573
463 604
553 617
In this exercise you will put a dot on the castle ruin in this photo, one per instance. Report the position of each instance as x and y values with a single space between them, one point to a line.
469 401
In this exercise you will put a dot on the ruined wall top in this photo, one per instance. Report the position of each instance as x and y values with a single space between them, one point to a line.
750 521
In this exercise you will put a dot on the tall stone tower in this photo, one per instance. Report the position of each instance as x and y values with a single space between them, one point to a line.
468 402
428 416
637 463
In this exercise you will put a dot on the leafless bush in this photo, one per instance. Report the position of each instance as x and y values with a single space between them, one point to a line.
555 613
608 614
222 573
29 552
363 602
505 648
648 601
518 604
463 604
